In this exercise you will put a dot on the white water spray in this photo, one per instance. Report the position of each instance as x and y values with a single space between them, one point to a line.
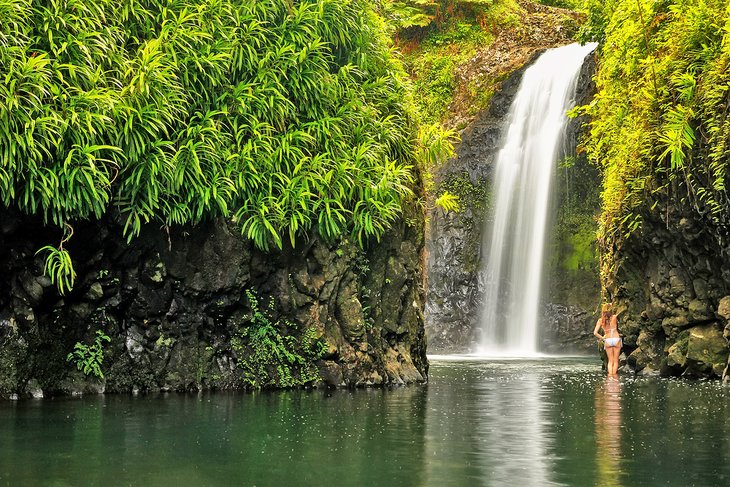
522 184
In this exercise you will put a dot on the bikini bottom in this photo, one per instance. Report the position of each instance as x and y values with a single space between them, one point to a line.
612 341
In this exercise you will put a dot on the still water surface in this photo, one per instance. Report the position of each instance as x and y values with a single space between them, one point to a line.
523 423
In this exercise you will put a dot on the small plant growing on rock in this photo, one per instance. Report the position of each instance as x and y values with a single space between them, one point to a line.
58 265
88 358
268 355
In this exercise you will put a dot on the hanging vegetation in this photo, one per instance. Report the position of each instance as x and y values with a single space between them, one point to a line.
660 126
290 116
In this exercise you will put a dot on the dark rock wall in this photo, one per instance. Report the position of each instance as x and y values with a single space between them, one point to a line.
671 290
454 240
172 301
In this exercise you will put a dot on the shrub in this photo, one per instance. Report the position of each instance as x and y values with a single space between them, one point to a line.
290 117
89 358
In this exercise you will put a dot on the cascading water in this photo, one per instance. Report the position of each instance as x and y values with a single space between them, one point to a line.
523 176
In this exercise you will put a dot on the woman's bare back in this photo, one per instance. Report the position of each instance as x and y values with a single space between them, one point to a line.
610 329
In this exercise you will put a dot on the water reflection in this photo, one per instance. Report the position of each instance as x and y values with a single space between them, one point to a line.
608 432
303 438
512 424
497 412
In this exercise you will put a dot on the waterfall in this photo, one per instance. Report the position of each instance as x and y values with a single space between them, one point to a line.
514 246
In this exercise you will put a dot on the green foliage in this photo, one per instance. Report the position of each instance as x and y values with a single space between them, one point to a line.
414 13
435 53
406 14
89 358
292 116
481 91
458 32
598 15
270 355
58 265
448 202
436 145
579 234
434 64
569 4
660 129
475 196
437 83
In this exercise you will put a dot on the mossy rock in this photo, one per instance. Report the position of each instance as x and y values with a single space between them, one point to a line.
707 350
677 352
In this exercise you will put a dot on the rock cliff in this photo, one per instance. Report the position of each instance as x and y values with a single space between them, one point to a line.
665 223
672 292
174 304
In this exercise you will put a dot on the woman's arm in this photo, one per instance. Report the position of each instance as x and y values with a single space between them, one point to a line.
595 330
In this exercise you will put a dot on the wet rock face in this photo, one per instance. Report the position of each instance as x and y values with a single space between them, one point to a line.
673 295
171 304
572 292
454 240
567 330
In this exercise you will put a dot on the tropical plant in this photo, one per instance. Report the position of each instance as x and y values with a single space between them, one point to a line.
89 358
448 201
58 265
404 14
292 117
269 353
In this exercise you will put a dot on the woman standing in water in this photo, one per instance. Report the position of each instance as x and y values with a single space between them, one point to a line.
611 339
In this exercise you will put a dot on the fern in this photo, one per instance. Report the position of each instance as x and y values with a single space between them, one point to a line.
448 202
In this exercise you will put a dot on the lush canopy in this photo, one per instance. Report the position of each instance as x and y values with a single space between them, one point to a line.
289 115
660 126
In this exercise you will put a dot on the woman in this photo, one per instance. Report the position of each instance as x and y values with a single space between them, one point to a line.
611 339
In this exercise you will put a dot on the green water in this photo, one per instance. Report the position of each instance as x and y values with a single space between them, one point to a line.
522 423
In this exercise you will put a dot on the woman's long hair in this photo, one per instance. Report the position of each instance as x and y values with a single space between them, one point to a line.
606 315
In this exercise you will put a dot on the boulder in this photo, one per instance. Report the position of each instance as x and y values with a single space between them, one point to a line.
723 309
95 292
700 310
677 353
672 324
707 350
32 287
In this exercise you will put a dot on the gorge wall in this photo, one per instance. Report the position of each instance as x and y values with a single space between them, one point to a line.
664 228
174 306
671 291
